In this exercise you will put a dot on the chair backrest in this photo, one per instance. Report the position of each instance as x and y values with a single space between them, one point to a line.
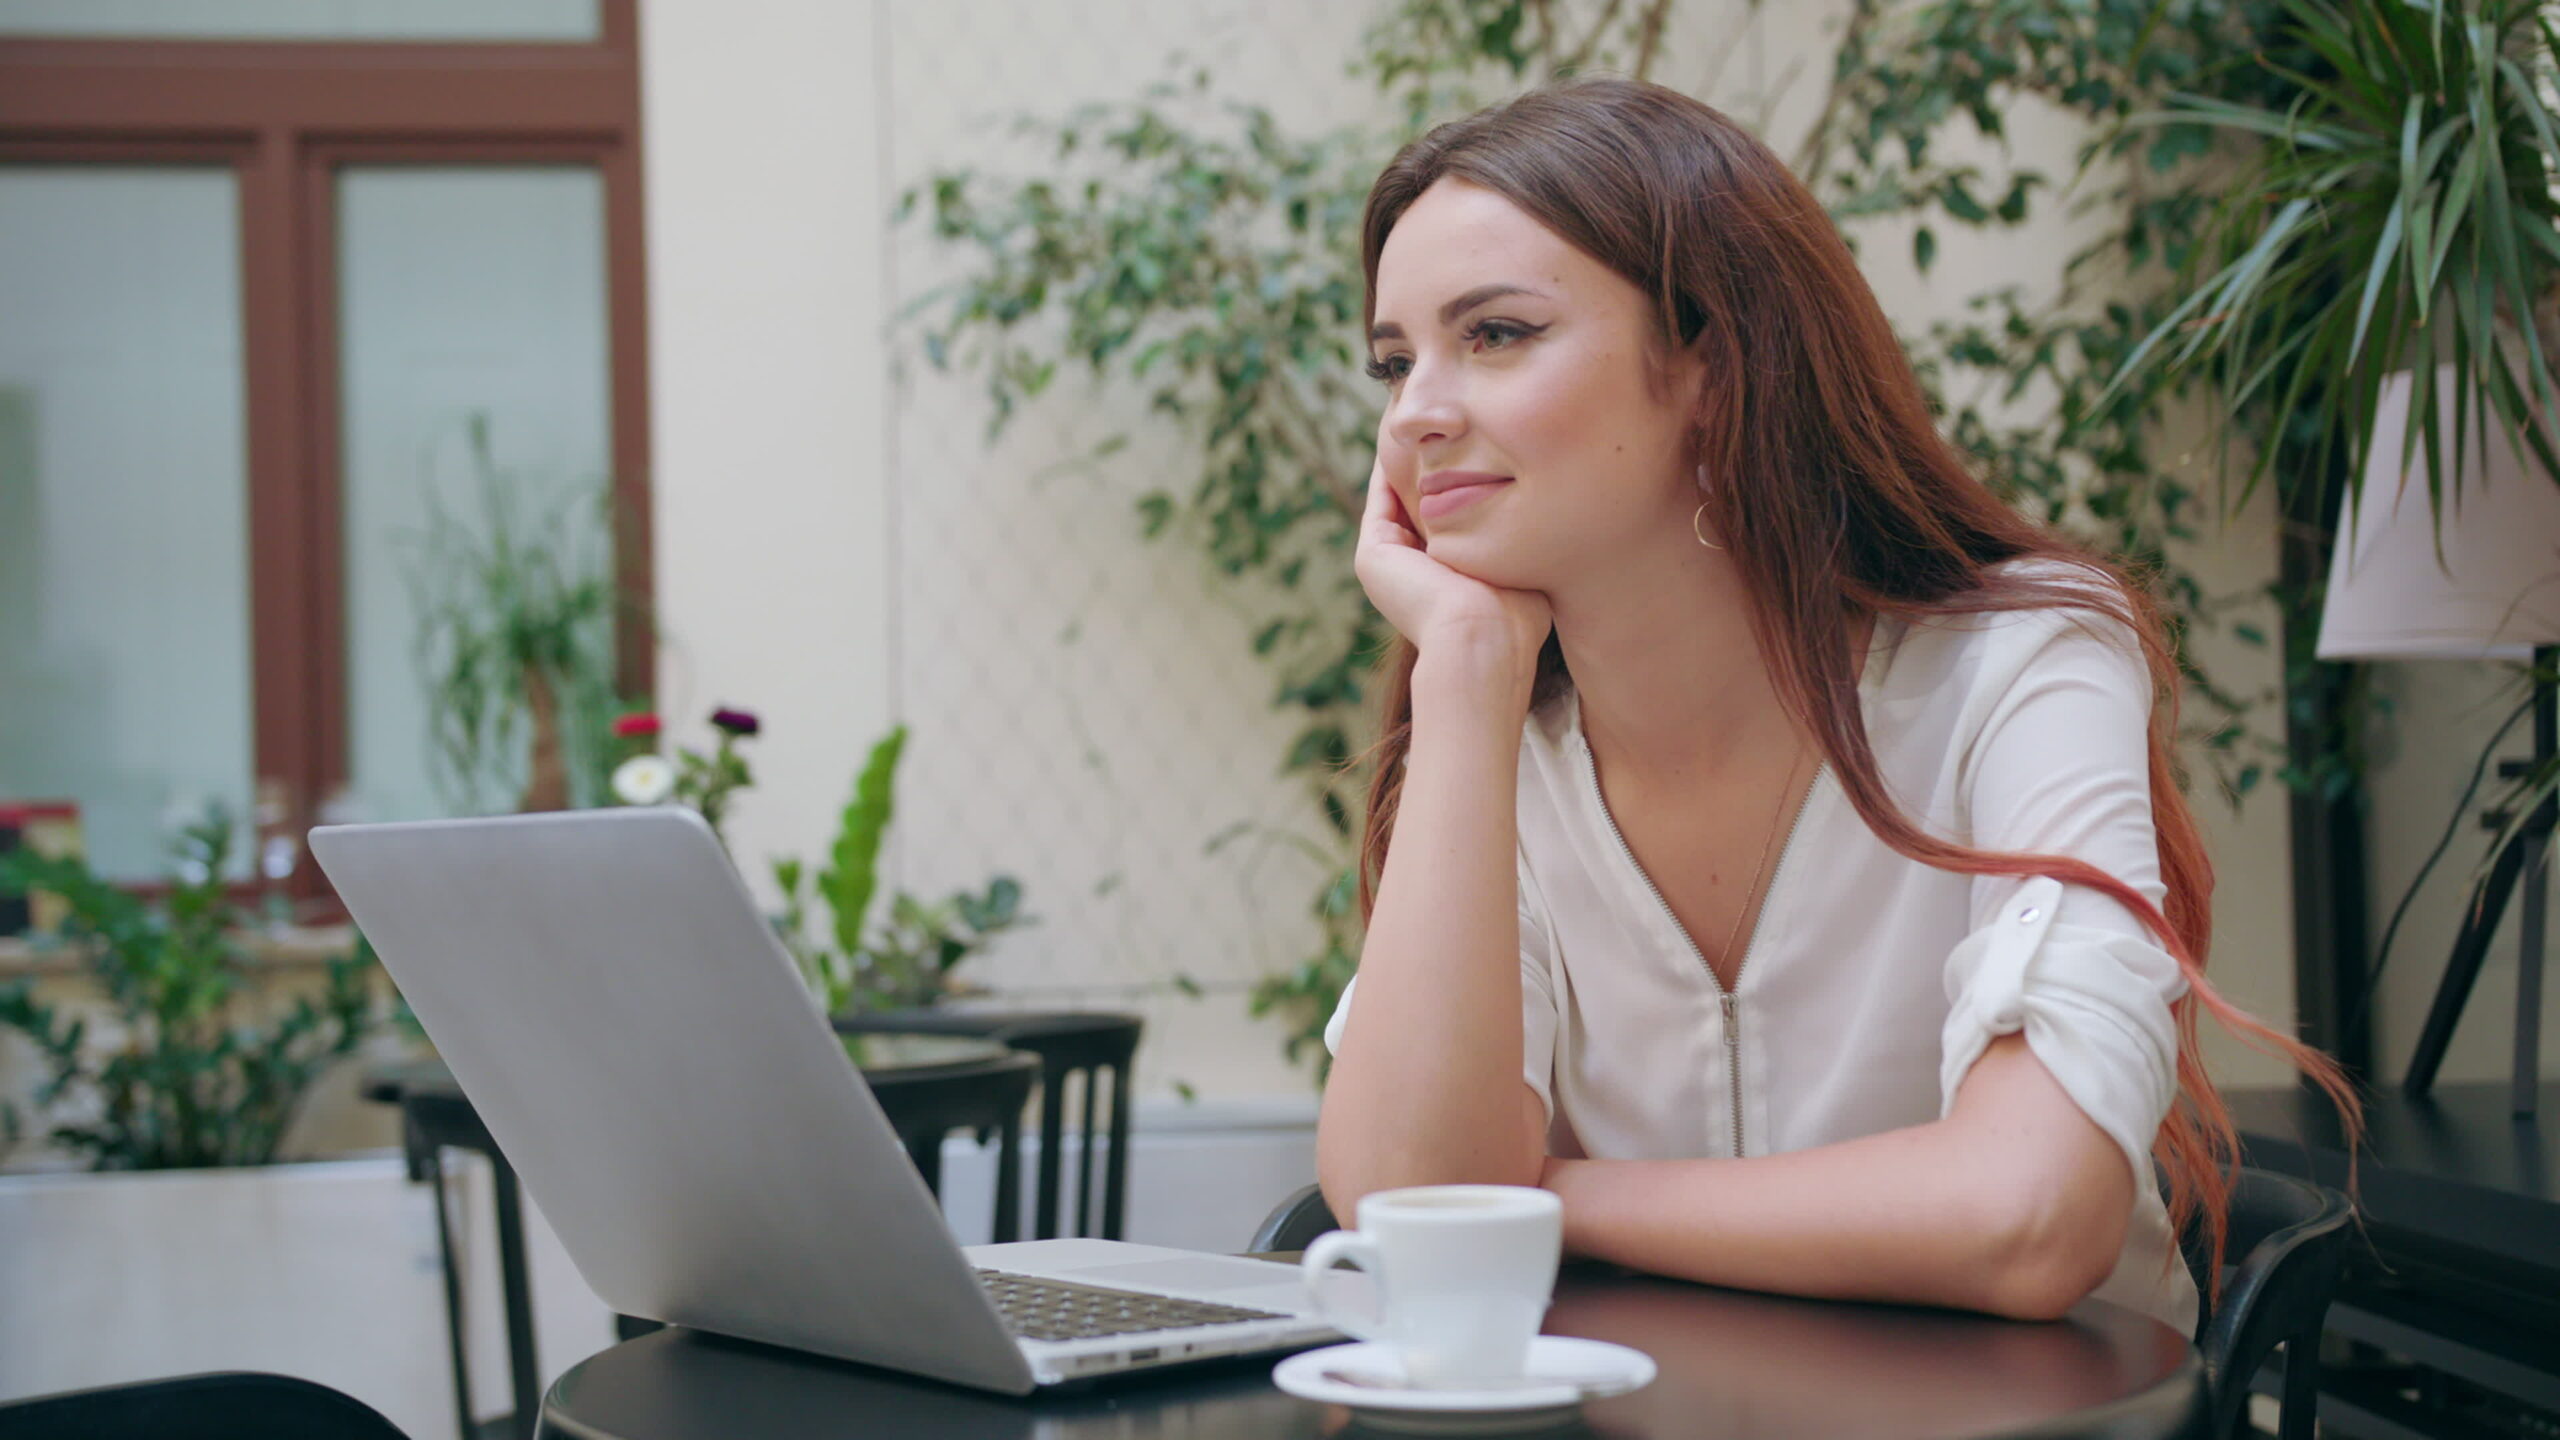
986 1098
1071 1044
235 1405
2286 1248
1294 1224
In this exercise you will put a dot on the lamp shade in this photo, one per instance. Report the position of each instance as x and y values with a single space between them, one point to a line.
2496 593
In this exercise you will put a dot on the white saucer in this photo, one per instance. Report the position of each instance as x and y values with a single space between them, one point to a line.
1562 1372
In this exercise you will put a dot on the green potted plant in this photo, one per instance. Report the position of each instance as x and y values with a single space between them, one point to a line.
515 644
2397 213
911 957
191 1068
155 1202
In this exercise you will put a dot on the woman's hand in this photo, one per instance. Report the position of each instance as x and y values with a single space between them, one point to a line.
1445 614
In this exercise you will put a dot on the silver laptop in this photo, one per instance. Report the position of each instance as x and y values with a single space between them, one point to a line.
644 1051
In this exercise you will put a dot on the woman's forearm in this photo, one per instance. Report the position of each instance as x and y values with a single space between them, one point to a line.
1426 1085
1924 1215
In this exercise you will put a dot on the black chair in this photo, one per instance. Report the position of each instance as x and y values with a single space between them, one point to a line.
226 1406
2287 1244
985 1097
1294 1224
1070 1044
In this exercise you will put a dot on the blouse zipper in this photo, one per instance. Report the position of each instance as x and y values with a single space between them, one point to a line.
1730 1003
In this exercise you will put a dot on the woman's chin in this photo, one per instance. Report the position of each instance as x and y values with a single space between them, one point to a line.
1480 557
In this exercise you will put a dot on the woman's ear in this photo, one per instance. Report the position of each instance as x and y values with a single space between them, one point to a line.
1689 369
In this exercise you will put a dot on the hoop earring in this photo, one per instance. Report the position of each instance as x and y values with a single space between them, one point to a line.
1698 521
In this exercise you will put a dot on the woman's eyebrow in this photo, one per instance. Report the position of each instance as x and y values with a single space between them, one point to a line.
1389 330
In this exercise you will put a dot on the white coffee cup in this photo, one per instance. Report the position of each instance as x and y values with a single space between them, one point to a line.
1462 1273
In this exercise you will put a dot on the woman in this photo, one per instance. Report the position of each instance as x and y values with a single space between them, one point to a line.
1774 846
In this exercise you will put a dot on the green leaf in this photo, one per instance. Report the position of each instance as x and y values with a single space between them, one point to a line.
2386 254
848 883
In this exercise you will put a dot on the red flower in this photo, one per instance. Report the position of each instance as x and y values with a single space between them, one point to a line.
639 724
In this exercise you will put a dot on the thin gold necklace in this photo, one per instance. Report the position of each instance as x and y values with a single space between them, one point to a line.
1749 896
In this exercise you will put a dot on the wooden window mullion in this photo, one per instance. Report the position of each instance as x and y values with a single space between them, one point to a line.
323 624
281 590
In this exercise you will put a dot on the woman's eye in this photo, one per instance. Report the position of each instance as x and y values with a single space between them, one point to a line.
1488 331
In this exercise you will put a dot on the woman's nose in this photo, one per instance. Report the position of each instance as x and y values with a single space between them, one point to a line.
1425 407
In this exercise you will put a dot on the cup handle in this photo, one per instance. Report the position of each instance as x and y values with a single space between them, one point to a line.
1319 1260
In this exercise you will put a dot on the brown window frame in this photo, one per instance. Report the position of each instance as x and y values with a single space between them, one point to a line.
285 117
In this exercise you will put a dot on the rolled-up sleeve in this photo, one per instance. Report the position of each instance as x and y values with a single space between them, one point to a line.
2061 766
1537 997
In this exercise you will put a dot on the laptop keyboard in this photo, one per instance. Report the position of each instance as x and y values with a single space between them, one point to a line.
1036 1309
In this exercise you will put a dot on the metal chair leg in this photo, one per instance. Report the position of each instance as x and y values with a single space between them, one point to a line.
452 1301
1115 1186
2301 1388
517 1284
1084 1157
1053 1124
926 1151
1009 1181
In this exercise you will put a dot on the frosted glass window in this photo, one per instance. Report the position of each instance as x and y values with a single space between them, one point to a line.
472 301
124 592
515 20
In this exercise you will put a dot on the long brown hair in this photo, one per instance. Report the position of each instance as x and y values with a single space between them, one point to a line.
1834 494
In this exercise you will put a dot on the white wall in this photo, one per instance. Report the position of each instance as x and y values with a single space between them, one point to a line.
768 391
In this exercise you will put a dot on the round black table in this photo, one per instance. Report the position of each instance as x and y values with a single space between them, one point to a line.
1731 1364
436 1115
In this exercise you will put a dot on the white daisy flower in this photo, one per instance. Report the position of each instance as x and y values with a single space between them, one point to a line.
644 780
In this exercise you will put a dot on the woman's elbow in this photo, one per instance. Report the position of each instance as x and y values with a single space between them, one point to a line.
1357 1156
2048 1261
1348 1172
2040 1290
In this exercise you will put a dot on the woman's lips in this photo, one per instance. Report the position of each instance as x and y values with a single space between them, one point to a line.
1446 502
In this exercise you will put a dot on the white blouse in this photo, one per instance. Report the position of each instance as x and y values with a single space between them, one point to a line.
1871 983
